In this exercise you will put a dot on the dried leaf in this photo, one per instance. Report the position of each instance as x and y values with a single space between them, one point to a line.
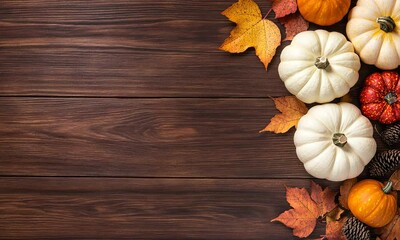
303 217
345 190
251 31
325 199
335 214
294 24
291 110
395 178
284 7
334 229
392 230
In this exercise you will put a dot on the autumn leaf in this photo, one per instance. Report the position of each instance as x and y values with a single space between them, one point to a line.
325 199
303 217
392 230
334 229
335 214
345 190
395 179
251 31
294 24
291 110
284 7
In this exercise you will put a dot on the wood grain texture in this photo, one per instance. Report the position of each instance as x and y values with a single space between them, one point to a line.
143 138
82 208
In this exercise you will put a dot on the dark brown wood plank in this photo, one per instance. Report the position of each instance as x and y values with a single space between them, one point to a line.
146 138
127 48
143 138
109 208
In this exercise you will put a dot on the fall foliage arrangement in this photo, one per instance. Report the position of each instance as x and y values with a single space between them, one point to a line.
334 140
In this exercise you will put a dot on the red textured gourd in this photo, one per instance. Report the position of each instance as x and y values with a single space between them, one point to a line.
379 97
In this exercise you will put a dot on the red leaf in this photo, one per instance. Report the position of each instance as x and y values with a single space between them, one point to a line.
284 7
294 24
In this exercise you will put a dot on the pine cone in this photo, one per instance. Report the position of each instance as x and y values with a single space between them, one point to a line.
353 229
391 134
384 163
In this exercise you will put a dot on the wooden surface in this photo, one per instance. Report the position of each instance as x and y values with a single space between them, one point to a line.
121 120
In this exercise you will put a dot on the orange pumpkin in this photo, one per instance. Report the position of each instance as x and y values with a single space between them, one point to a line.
324 13
373 203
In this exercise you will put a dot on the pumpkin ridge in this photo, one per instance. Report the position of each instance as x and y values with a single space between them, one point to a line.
345 130
334 162
376 6
339 46
309 82
323 141
350 126
317 160
376 207
323 124
360 36
294 79
356 153
324 144
386 78
343 49
389 9
377 92
325 80
342 78
304 49
383 117
322 41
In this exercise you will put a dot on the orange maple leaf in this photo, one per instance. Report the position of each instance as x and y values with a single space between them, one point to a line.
345 190
325 199
303 217
392 230
334 229
291 110
251 31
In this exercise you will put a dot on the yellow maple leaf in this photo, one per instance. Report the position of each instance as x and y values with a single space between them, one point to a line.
291 110
251 31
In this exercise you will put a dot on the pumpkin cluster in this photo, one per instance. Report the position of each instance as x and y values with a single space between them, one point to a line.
335 141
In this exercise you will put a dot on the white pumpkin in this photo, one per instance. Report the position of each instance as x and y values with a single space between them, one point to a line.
334 141
372 28
319 66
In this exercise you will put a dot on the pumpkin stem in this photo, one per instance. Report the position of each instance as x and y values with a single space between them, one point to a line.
387 24
391 98
321 62
388 187
339 139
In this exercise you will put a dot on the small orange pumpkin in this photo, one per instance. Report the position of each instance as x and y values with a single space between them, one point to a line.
325 12
373 203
